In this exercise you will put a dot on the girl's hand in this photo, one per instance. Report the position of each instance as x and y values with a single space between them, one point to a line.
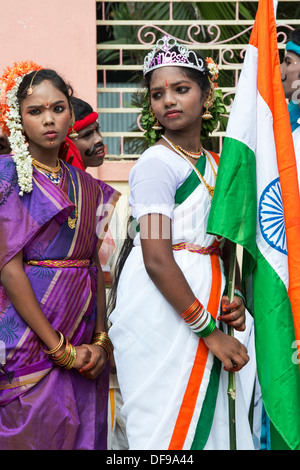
228 349
97 360
233 313
83 356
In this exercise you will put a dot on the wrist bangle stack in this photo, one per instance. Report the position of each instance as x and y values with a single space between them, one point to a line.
199 319
67 358
102 339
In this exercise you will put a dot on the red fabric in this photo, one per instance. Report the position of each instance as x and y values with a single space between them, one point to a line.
86 121
71 154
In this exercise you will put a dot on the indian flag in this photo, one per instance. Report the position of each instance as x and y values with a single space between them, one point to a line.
257 205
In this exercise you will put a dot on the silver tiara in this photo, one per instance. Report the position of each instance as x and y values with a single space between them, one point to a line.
162 55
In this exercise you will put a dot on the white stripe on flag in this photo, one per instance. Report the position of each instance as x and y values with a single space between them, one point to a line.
242 126
268 195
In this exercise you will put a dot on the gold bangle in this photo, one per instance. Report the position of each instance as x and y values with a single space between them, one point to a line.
58 360
101 336
50 352
102 339
72 357
67 358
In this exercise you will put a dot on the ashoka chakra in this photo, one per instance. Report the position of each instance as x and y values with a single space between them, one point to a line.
271 217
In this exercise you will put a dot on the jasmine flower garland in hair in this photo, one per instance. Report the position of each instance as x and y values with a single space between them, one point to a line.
10 120
20 155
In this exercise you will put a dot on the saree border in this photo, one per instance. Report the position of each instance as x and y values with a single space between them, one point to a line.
193 398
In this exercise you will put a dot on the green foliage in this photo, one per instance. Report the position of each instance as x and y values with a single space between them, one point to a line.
148 120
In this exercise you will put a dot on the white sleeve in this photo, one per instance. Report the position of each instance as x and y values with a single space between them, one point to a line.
152 187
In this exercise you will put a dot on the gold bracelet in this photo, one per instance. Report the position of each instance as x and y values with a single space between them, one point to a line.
67 358
72 357
54 350
102 339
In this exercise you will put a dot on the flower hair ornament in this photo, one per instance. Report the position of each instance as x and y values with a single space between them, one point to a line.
168 52
10 119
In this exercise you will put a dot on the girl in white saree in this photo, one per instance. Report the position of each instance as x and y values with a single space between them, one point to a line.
168 343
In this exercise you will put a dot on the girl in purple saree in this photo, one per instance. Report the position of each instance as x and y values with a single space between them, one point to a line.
54 347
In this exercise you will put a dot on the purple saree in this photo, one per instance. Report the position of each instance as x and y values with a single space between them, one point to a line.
43 406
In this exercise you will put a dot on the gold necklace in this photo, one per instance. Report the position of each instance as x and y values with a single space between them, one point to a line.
50 169
187 153
209 188
72 222
195 155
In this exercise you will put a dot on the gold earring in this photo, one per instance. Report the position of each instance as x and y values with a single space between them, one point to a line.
156 126
206 115
73 134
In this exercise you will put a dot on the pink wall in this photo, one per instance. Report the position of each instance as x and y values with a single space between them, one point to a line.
60 34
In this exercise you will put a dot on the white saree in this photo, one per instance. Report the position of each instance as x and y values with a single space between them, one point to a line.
174 390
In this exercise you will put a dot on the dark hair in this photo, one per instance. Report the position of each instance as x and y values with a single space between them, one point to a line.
41 75
122 257
81 108
295 36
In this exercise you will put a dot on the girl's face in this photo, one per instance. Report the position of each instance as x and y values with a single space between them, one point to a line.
45 117
176 100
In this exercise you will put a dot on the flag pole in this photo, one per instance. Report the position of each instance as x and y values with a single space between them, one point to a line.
231 390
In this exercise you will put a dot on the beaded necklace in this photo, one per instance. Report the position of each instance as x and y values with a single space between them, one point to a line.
54 180
187 153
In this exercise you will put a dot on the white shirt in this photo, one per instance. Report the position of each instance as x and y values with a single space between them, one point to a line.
154 180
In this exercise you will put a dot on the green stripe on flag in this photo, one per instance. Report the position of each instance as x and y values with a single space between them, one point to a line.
233 210
277 360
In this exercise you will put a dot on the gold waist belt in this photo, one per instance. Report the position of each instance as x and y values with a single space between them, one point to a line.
194 248
61 263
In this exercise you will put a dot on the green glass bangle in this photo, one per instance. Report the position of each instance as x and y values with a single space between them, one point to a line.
208 330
